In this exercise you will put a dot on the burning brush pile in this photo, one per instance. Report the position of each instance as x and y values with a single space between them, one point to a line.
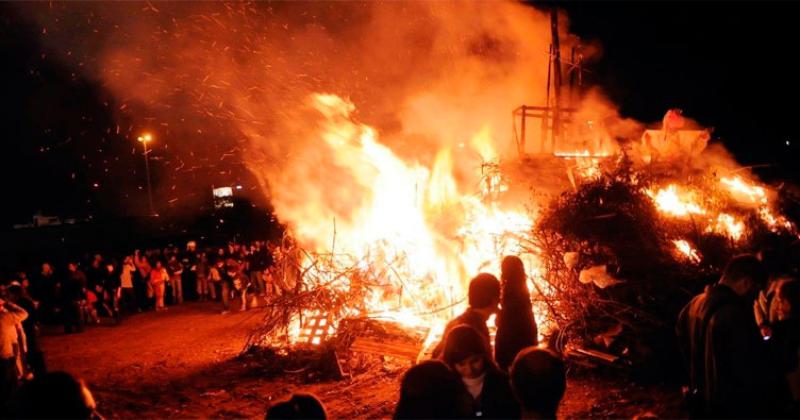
611 258
625 250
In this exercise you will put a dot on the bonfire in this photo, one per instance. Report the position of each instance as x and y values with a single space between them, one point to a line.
610 258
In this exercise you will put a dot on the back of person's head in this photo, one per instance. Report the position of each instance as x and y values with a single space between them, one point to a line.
789 298
53 395
298 406
462 342
484 291
742 268
429 390
538 378
512 269
14 291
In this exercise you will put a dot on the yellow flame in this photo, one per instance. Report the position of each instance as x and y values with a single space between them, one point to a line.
729 226
672 201
686 250
407 222
744 191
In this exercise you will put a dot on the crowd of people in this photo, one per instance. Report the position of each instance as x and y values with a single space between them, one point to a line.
81 292
466 379
97 286
740 338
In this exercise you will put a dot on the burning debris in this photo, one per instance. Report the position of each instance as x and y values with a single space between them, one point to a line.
608 259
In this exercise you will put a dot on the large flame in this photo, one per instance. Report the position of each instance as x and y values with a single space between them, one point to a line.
410 222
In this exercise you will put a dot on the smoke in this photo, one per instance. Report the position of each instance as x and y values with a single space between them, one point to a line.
234 81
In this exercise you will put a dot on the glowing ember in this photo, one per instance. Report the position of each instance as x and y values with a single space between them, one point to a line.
671 201
686 250
745 192
729 226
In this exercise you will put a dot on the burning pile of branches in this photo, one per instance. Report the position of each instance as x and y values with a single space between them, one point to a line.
624 251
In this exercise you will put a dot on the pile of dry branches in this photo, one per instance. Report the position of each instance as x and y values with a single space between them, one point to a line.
612 222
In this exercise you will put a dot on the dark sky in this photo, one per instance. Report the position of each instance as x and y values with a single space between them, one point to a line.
728 65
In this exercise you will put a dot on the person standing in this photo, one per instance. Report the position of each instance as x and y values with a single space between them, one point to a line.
516 327
73 294
215 278
486 389
725 355
190 259
175 269
44 291
261 263
201 273
128 293
484 296
158 279
11 316
142 279
34 356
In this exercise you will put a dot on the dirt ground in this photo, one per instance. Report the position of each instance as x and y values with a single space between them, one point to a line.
182 363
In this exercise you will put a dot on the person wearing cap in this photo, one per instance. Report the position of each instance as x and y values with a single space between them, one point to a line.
485 388
483 296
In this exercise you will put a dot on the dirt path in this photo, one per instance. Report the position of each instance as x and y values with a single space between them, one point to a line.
182 364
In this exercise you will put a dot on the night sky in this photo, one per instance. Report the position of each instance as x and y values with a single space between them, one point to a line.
728 65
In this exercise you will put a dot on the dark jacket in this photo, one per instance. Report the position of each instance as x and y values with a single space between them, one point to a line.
469 317
784 348
73 287
261 260
516 327
496 400
726 356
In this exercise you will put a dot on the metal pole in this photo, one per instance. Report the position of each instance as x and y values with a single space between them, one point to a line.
147 172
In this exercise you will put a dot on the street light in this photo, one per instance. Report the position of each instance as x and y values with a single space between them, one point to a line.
144 139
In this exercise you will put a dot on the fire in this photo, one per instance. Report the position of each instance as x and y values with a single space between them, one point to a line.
745 192
729 226
672 201
411 228
685 250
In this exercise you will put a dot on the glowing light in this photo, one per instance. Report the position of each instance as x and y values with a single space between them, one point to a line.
686 250
744 191
671 201
414 234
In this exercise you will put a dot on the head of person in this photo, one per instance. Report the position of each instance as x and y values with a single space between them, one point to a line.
538 379
467 353
47 269
158 264
429 390
788 299
298 406
746 275
512 276
14 291
484 293
72 267
128 260
191 246
110 267
54 395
